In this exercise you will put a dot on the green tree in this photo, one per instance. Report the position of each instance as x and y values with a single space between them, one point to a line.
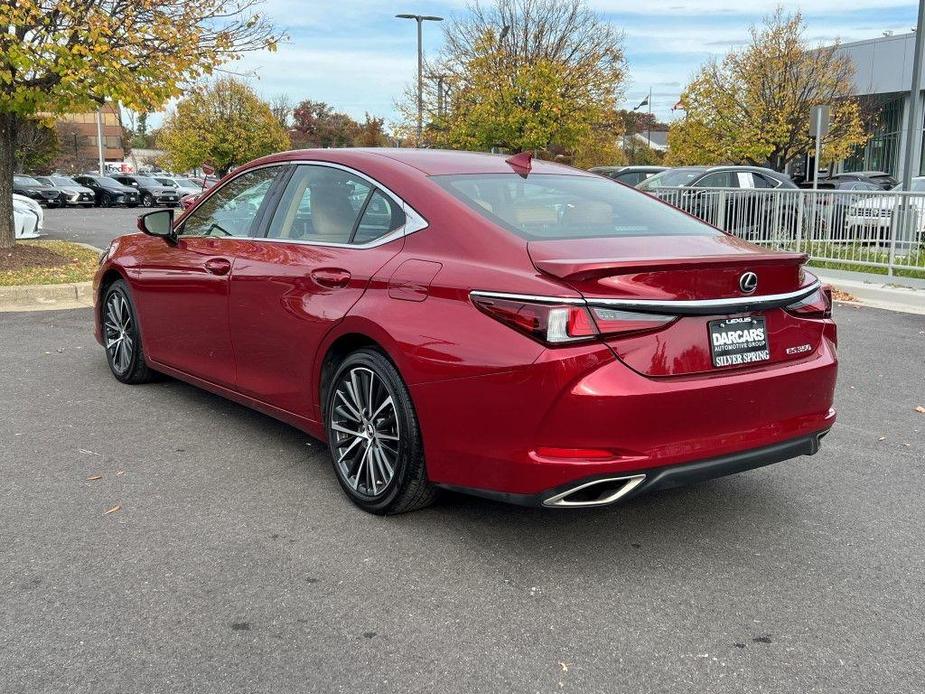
753 106
224 124
61 56
527 74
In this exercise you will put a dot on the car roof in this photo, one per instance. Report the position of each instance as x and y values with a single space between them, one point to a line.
430 162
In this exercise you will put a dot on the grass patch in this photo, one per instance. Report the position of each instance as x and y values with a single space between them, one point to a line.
855 258
56 262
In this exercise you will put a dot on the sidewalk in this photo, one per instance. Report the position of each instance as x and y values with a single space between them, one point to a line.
879 291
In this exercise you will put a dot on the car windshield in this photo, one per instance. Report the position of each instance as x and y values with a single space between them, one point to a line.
672 178
186 183
26 181
166 181
562 206
146 181
63 181
107 182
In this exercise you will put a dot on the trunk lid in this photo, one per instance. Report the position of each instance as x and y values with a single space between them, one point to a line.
669 268
696 278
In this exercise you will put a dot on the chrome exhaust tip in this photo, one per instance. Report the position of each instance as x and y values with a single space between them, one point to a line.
596 493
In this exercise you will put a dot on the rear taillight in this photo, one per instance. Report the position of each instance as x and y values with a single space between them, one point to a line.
816 305
612 322
563 323
550 323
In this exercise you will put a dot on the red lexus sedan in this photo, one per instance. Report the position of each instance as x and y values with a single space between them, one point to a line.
515 329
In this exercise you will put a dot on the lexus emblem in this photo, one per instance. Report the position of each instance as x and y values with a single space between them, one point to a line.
748 282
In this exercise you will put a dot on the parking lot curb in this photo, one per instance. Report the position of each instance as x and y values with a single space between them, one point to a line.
44 297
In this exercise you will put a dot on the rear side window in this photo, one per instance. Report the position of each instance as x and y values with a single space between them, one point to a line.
720 179
322 204
562 206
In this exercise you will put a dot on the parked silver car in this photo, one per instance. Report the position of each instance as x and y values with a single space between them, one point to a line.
74 193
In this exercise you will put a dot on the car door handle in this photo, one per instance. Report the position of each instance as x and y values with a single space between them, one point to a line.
332 277
218 266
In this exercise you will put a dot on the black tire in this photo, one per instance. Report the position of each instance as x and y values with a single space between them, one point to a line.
408 488
121 325
106 201
147 200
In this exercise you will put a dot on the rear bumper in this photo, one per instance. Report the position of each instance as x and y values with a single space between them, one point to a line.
580 414
664 477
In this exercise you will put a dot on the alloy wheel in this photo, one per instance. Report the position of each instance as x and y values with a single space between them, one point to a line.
119 332
366 436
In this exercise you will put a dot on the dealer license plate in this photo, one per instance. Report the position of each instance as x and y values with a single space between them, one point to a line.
735 341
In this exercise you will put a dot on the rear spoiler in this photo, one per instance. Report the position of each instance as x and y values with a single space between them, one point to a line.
593 268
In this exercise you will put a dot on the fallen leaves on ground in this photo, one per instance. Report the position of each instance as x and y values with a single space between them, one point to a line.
47 262
839 295
920 409
117 507
91 478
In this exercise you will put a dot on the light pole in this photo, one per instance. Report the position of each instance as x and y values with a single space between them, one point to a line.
914 125
420 19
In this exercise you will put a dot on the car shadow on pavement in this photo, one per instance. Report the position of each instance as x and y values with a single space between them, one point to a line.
737 510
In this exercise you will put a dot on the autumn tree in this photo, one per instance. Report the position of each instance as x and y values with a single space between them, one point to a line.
371 133
36 146
66 56
224 124
72 144
281 107
753 106
527 74
316 124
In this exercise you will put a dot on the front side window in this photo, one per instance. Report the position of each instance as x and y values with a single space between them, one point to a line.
563 206
720 179
25 181
322 204
232 209
672 178
631 179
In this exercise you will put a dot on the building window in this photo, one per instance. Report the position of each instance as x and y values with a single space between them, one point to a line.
881 153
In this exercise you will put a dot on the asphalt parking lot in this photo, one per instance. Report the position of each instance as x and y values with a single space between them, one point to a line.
95 226
233 562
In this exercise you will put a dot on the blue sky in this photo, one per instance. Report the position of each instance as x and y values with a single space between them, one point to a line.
356 56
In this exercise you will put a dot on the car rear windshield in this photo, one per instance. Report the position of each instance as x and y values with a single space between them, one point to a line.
562 206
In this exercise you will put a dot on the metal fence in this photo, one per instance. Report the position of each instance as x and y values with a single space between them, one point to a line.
853 230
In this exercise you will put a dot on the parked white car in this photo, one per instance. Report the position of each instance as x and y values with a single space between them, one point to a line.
871 219
28 218
184 186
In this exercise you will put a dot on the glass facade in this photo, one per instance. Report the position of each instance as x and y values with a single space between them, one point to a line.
882 151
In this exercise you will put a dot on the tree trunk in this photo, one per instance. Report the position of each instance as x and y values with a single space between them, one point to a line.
8 125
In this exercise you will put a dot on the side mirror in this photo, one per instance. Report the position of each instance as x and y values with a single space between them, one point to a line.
158 223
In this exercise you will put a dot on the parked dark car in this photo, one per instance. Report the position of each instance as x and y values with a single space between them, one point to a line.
41 193
630 175
109 191
151 192
72 193
733 198
881 179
